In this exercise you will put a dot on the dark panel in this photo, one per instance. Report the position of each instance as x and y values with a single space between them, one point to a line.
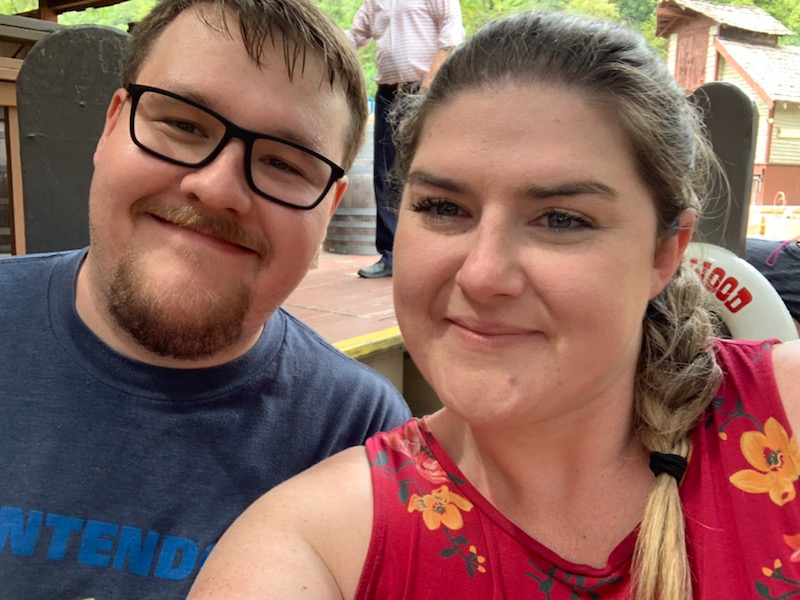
731 119
63 90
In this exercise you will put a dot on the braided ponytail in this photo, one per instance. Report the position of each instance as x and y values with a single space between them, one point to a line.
676 380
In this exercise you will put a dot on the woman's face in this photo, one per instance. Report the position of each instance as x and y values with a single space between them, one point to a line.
525 255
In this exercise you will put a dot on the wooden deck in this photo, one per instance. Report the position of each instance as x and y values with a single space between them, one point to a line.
339 304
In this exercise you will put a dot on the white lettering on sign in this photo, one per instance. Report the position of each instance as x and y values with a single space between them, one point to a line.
724 286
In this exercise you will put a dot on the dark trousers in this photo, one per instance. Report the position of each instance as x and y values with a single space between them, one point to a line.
387 189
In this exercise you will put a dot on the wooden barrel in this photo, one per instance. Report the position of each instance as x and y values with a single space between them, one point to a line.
352 227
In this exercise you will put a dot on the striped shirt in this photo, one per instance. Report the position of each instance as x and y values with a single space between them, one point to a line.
408 33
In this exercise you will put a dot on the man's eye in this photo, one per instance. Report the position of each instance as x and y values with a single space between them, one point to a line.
281 165
184 126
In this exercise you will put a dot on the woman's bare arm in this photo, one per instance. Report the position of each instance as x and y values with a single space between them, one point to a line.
306 538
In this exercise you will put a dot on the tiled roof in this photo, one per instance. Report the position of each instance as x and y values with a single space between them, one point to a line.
749 18
775 69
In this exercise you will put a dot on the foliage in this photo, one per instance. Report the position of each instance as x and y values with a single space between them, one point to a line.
477 12
636 13
788 13
648 30
343 11
602 9
12 7
117 15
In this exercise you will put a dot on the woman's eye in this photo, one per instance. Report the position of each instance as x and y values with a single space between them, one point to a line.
562 220
438 208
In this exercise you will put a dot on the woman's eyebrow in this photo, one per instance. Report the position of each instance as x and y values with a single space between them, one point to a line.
537 192
572 188
446 183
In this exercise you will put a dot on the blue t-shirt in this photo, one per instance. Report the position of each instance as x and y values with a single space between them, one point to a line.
783 270
117 477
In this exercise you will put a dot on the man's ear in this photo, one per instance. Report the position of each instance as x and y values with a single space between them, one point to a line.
112 117
341 187
669 251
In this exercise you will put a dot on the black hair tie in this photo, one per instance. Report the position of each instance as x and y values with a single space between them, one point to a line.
672 464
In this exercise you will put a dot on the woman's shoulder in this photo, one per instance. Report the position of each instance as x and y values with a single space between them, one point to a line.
786 366
308 536
746 365
763 372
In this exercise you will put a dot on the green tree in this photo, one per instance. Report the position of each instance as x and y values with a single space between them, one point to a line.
13 7
788 13
648 30
601 9
118 15
478 12
636 13
343 11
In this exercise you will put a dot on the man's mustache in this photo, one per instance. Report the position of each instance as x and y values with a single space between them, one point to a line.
216 226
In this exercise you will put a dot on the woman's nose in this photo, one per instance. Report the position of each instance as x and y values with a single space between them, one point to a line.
492 266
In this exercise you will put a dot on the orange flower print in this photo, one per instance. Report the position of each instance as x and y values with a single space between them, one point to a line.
408 441
477 559
776 461
770 572
793 541
440 507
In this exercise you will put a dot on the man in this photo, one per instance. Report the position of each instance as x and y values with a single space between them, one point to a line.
413 38
151 387
779 262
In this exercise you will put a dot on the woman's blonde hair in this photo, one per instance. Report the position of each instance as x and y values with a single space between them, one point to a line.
615 70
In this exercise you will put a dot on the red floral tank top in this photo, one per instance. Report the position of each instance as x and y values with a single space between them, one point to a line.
436 537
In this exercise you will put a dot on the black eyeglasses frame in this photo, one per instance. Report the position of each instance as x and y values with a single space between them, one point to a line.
232 131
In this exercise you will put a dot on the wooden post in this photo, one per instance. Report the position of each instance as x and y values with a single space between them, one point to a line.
9 68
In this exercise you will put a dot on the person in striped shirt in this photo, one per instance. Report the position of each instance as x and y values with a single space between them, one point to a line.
413 38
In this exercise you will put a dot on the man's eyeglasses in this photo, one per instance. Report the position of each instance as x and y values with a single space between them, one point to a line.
184 132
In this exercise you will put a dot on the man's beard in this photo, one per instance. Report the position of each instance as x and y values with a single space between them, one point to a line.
207 324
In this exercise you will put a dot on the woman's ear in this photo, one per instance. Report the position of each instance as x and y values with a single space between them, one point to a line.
670 249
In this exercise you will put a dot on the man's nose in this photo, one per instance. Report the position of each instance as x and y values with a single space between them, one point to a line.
222 184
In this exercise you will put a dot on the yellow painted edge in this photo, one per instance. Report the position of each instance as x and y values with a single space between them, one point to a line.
370 343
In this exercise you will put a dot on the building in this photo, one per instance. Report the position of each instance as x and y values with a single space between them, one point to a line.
739 45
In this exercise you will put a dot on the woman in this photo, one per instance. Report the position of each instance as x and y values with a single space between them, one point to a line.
552 176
